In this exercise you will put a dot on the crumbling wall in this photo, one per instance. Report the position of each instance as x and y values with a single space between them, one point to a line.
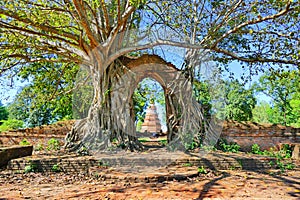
265 135
244 133
37 135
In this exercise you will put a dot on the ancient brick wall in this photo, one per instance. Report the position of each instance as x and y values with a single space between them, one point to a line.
245 134
37 135
265 135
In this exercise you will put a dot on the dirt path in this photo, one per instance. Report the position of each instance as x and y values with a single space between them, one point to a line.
213 185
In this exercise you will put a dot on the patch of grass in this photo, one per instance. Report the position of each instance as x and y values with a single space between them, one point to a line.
30 168
39 147
144 139
53 145
24 142
188 164
103 164
202 170
56 168
232 147
163 142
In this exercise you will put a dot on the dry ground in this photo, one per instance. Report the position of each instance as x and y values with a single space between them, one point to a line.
214 185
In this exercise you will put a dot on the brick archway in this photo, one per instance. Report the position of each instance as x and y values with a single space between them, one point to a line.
177 91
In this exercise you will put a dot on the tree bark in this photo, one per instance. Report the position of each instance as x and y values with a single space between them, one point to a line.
108 125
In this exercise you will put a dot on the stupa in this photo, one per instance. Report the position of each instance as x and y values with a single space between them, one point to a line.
151 123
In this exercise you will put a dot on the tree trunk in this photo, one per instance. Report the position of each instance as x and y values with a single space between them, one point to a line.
108 124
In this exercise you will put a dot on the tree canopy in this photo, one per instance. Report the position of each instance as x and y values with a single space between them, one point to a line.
68 31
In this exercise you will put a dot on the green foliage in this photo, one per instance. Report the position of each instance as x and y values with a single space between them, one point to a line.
223 145
83 151
284 89
290 166
192 145
82 96
53 145
187 164
3 112
202 170
284 153
11 124
202 96
255 149
262 113
282 166
144 139
39 147
30 168
39 103
163 142
139 101
239 102
24 142
56 168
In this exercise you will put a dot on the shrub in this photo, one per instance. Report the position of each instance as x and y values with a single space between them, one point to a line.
39 147
30 168
56 168
11 124
191 146
163 142
53 144
202 170
223 145
255 149
24 142
284 153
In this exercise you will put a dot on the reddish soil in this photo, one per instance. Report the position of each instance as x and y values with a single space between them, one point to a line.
213 185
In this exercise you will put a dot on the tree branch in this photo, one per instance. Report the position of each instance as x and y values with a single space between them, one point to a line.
256 21
255 59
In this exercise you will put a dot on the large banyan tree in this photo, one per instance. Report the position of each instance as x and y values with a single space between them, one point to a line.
101 36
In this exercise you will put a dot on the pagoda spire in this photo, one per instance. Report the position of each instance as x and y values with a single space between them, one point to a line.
151 123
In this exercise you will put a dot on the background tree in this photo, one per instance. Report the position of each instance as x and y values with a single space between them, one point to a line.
3 112
295 104
262 112
283 88
47 98
239 102
98 33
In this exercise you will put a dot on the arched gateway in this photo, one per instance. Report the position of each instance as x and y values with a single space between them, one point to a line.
182 113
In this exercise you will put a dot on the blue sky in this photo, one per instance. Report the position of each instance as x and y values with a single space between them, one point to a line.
7 92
